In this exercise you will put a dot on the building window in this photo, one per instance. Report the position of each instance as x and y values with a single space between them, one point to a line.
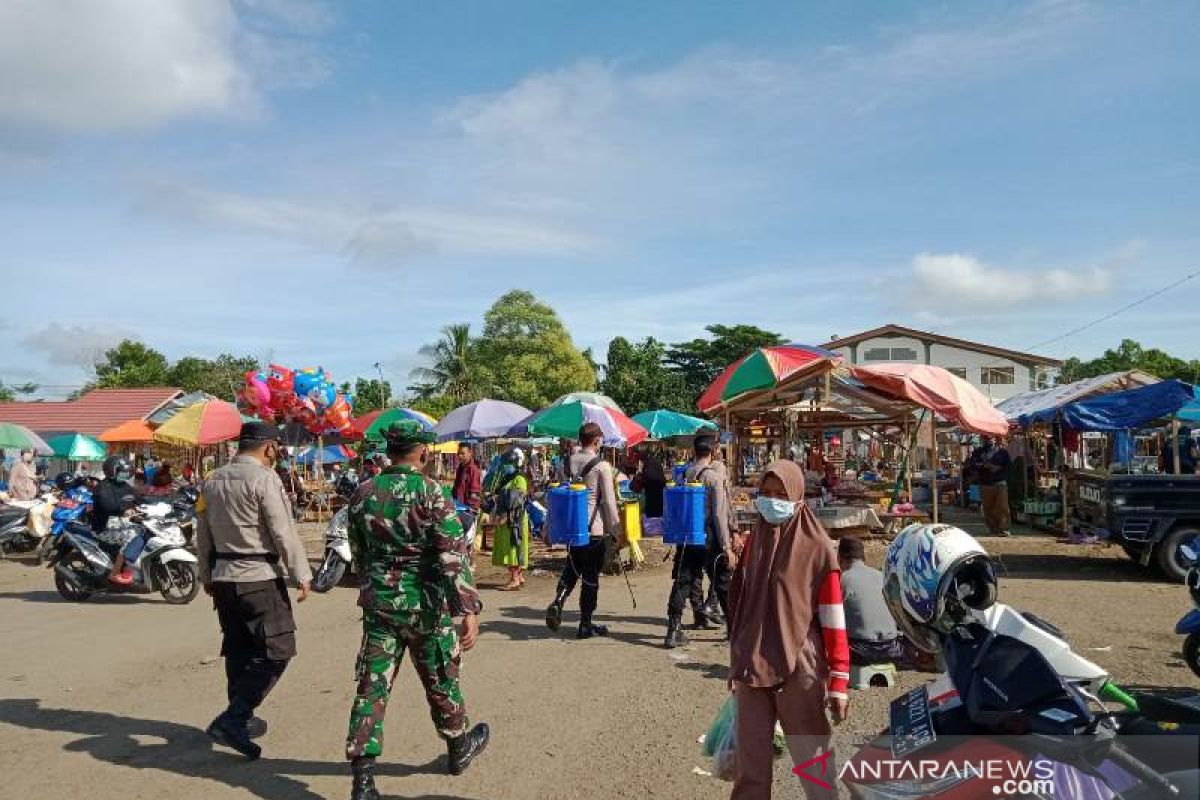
997 376
960 372
890 354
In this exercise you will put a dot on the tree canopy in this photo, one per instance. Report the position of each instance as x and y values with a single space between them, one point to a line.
1131 355
132 365
700 361
370 394
527 355
638 378
452 370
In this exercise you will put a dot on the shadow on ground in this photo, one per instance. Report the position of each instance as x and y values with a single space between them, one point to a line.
187 751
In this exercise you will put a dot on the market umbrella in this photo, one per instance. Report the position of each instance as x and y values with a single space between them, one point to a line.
595 398
18 437
77 447
665 424
203 423
761 369
1191 412
132 432
330 454
483 419
564 422
370 426
934 388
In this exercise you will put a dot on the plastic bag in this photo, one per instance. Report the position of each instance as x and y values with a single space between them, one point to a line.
720 742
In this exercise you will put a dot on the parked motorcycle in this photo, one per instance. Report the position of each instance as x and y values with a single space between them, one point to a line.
337 547
1014 676
74 505
1189 625
83 565
17 534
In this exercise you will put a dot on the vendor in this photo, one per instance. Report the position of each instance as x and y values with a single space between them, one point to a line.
869 625
1189 454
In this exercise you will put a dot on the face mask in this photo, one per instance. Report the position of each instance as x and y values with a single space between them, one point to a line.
774 511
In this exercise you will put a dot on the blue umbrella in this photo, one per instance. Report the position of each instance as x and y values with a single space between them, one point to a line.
664 424
330 454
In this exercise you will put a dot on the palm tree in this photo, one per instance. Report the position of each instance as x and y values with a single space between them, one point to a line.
453 370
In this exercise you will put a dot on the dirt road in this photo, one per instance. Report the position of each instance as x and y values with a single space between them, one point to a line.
108 699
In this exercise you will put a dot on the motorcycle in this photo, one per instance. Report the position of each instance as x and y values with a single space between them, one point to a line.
1013 676
74 506
337 547
17 533
83 565
1189 624
184 507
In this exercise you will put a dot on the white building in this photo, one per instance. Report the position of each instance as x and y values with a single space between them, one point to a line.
995 371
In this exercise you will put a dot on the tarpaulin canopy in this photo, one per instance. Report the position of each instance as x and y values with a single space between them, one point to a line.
330 454
947 395
1128 409
1191 412
1043 405
135 431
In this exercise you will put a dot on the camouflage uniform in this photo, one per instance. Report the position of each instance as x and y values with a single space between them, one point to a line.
414 557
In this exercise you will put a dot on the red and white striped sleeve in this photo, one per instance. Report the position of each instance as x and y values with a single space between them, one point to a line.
833 632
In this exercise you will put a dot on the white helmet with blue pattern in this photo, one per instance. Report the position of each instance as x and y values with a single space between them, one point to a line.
934 578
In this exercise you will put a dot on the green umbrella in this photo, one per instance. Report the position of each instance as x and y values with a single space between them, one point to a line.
18 437
77 447
664 424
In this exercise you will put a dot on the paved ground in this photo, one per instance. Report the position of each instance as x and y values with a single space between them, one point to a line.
107 699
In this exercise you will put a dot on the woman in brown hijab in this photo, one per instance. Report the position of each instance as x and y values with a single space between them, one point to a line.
790 657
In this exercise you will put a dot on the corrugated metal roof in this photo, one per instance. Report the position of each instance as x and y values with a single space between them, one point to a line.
94 413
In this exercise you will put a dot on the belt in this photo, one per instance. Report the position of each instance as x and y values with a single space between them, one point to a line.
270 558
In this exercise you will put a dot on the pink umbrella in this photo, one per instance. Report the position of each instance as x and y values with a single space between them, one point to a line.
934 388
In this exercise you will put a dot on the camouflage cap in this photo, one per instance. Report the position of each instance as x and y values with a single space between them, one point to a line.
407 432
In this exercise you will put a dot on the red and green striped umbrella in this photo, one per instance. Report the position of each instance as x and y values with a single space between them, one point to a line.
761 369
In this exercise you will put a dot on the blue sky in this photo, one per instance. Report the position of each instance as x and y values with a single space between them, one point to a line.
332 183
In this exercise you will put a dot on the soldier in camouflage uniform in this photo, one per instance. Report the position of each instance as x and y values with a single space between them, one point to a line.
413 555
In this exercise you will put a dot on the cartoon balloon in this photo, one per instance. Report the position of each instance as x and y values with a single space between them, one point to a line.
257 394
337 416
280 382
306 380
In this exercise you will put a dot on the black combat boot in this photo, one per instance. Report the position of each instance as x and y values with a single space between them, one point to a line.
364 779
229 729
464 749
702 622
675 635
555 610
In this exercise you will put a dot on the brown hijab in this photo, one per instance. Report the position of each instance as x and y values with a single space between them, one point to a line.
773 597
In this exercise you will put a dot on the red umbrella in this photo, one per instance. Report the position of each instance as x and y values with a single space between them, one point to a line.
934 388
761 369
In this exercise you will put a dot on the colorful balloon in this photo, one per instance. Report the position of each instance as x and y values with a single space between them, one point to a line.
337 416
280 382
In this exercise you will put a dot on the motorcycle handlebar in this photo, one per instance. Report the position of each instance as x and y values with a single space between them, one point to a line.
1126 761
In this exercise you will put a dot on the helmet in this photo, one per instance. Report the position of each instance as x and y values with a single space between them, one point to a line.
934 578
62 481
117 468
513 460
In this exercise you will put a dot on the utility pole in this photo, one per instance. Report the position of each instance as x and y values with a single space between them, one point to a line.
382 385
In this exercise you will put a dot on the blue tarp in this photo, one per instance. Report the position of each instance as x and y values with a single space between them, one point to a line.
1128 409
332 454
1191 412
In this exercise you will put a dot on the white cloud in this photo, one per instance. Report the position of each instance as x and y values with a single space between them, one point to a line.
963 279
76 345
100 65
374 235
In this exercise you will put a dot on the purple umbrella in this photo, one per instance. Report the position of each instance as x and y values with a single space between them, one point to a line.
483 419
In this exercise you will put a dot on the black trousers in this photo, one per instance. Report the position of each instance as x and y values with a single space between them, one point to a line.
688 574
716 566
586 562
258 639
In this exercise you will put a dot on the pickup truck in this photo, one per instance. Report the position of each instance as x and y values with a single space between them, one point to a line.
1150 516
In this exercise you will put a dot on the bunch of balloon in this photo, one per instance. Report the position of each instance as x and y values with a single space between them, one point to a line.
307 396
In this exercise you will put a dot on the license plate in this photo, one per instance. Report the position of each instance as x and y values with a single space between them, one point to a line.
911 723
1091 494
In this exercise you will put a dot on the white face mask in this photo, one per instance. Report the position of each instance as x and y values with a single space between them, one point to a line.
775 511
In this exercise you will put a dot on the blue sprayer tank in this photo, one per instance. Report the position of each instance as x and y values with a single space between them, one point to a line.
568 507
683 517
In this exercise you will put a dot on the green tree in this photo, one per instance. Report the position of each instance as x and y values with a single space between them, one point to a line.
370 394
8 394
700 361
1131 355
130 365
436 406
528 354
453 368
221 377
637 377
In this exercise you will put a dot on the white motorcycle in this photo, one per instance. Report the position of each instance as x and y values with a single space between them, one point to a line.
83 565
337 548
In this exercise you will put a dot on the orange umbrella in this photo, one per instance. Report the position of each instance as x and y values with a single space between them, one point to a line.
132 432
938 390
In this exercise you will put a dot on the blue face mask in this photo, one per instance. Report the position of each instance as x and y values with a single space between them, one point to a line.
775 511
